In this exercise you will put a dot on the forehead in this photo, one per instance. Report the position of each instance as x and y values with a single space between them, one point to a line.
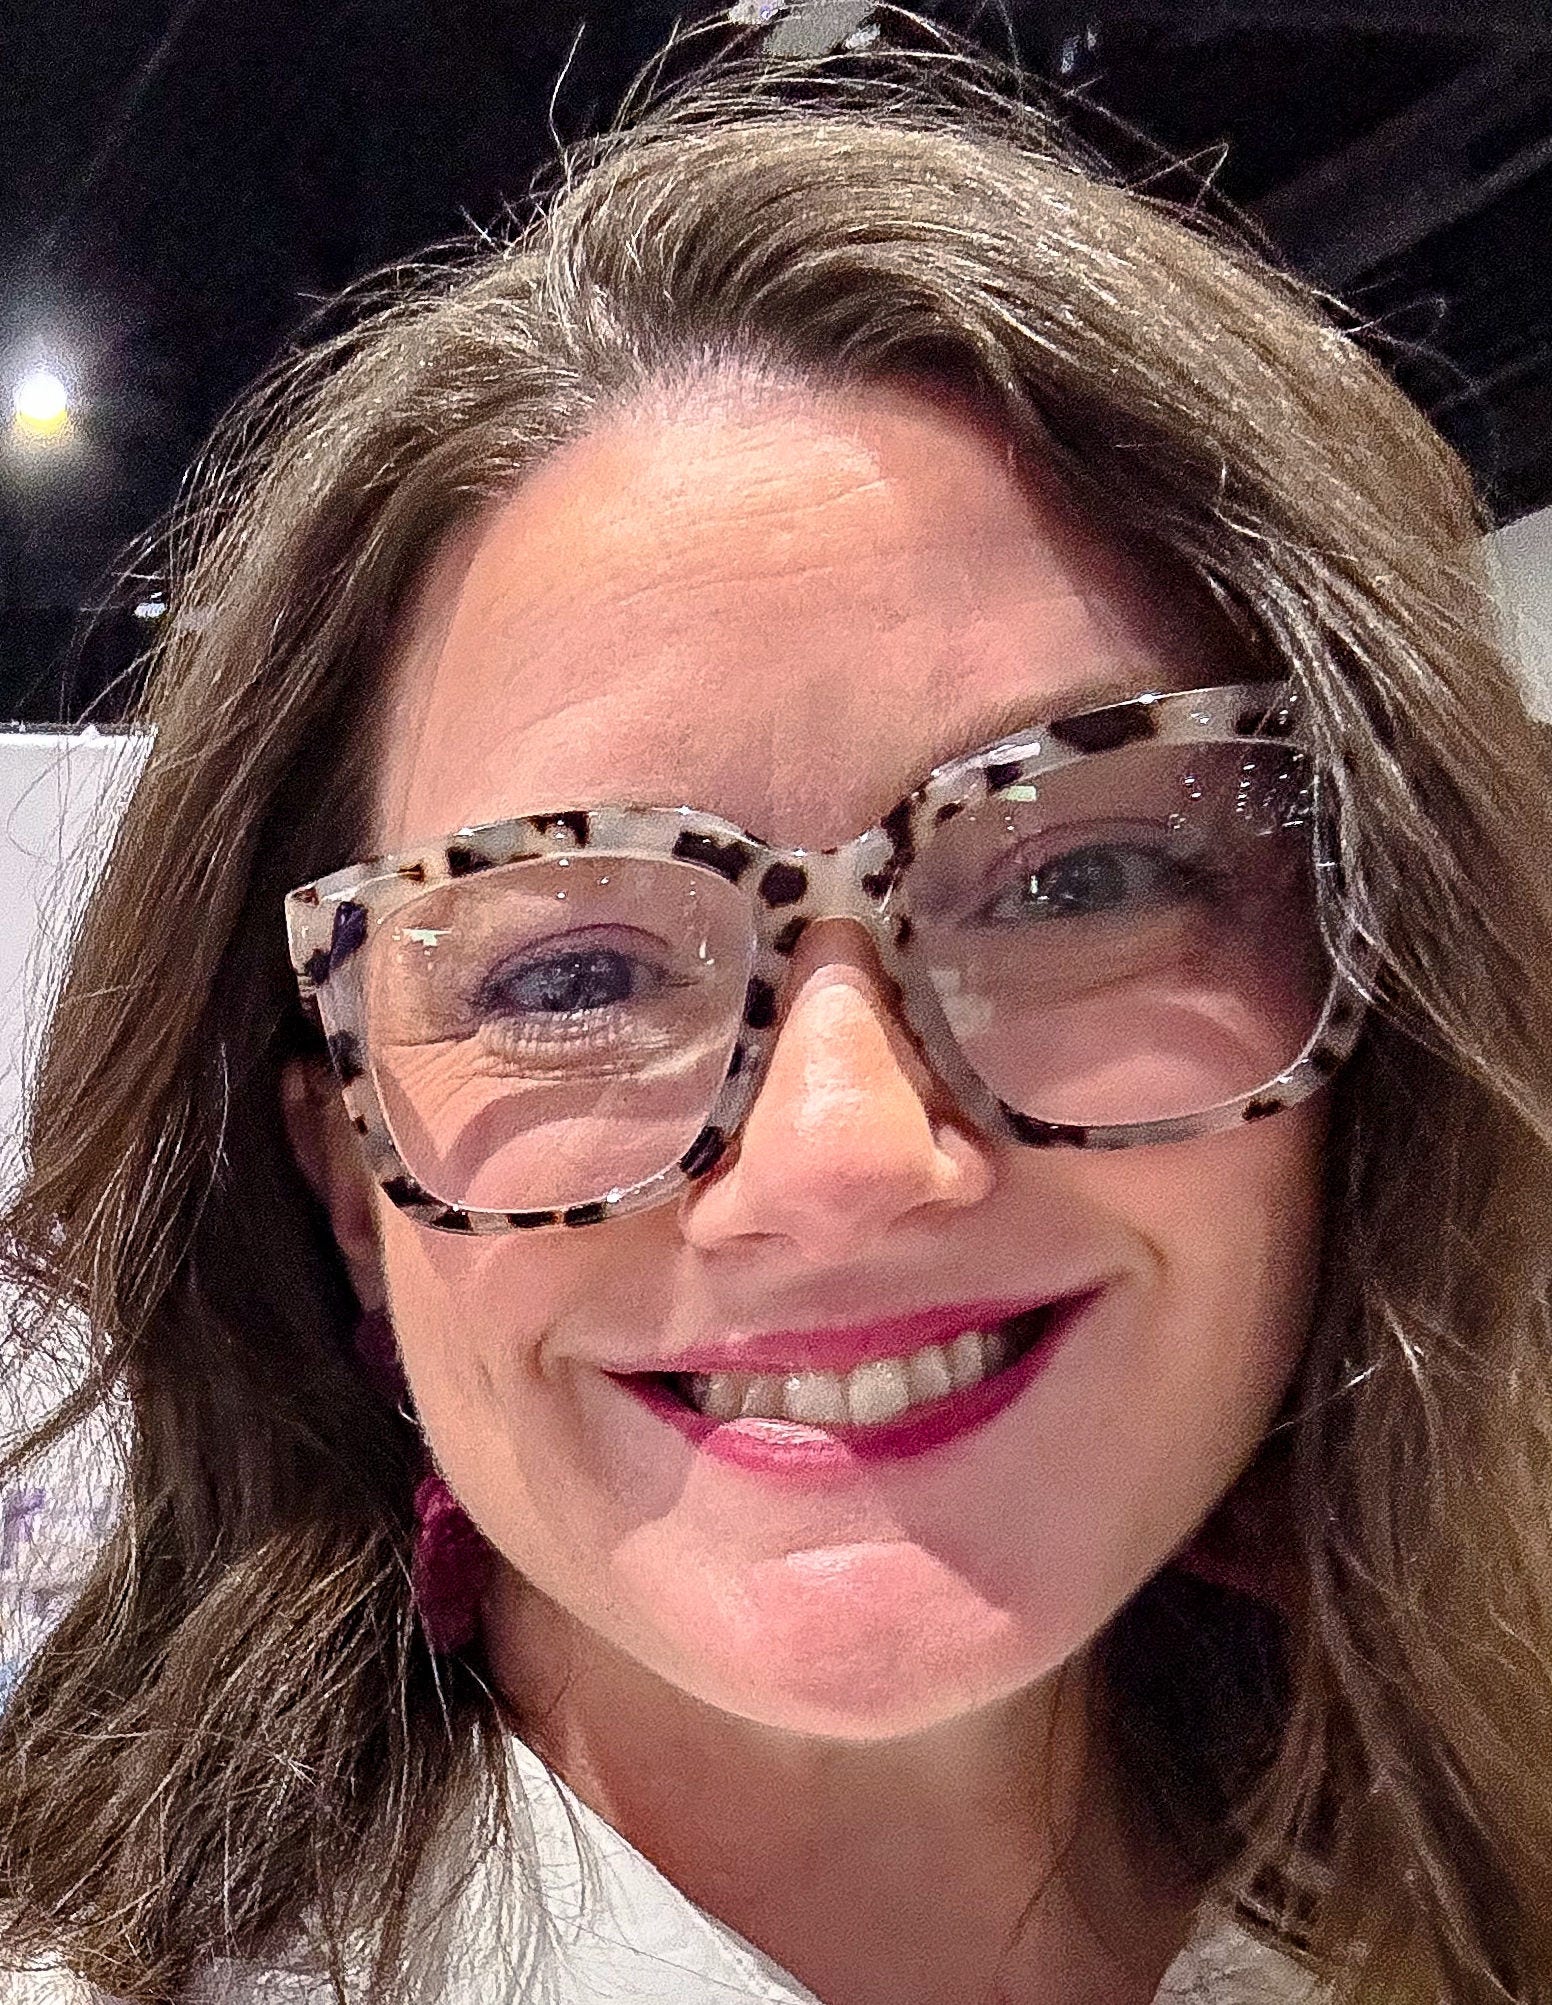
783 608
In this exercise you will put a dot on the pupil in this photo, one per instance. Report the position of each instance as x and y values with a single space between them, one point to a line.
590 979
1082 881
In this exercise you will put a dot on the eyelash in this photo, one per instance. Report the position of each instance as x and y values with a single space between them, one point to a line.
1183 875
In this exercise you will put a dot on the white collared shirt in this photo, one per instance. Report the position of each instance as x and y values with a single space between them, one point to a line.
617 1932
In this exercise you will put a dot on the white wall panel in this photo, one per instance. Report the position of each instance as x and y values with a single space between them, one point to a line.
1524 556
59 797
58 806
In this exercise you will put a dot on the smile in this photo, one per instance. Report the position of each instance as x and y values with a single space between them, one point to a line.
809 1422
872 1394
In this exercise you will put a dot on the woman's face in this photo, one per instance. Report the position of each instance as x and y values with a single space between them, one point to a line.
785 608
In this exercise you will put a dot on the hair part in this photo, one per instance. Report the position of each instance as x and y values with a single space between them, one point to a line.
237 1741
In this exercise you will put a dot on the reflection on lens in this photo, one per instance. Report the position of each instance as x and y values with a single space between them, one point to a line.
1131 938
549 1031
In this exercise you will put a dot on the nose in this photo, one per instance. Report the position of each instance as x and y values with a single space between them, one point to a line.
851 1133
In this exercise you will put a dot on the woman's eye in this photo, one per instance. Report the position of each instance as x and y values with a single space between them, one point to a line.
1099 880
569 983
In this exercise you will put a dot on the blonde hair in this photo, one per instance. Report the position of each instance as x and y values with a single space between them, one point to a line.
237 1737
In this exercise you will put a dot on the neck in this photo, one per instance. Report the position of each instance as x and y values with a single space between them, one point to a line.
983 1862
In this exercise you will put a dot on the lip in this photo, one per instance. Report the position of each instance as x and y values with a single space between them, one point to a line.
841 1349
786 1449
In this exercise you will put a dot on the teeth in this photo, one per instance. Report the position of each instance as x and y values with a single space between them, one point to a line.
762 1396
877 1391
929 1374
966 1358
873 1393
719 1394
996 1349
815 1396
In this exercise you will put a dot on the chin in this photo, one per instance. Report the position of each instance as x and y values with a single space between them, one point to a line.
836 1645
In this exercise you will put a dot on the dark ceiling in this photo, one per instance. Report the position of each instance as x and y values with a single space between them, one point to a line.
181 182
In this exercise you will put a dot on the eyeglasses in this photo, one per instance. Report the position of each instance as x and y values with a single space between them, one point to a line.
1104 932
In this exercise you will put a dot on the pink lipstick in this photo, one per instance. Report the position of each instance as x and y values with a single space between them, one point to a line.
838 1349
832 1450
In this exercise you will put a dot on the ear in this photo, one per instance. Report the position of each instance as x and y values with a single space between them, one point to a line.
329 1156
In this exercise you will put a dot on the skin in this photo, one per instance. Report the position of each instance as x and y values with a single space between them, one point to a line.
849 1721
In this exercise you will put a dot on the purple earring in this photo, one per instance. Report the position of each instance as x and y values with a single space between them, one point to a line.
452 1562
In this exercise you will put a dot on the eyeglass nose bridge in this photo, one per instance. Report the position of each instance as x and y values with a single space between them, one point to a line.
852 880
859 880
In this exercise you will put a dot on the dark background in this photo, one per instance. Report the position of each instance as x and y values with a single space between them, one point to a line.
182 182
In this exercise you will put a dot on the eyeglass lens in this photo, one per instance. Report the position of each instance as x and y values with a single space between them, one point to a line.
1130 938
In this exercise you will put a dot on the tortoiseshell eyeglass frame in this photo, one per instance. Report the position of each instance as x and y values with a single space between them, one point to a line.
867 879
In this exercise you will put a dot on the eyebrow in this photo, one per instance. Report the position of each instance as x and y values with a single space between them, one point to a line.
1021 714
1015 717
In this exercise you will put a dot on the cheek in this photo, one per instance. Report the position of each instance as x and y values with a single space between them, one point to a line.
473 1319
488 1332
1234 1224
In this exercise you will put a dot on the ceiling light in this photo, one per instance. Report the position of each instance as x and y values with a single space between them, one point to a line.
40 402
